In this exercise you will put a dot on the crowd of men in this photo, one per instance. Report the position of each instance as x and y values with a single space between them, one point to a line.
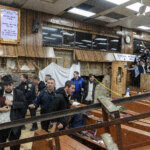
15 101
140 66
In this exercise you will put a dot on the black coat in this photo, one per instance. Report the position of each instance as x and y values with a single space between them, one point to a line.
18 107
28 90
44 99
41 86
141 70
86 88
59 103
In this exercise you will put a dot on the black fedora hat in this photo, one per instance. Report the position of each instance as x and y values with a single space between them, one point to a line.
7 79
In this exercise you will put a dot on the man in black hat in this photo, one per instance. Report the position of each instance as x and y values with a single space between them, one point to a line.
89 90
28 89
16 110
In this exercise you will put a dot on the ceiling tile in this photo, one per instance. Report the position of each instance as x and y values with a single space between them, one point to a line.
100 5
85 6
107 19
115 15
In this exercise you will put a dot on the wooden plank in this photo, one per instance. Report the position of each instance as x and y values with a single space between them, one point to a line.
30 37
145 82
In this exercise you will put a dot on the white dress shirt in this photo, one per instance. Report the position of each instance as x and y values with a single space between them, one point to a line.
89 96
5 116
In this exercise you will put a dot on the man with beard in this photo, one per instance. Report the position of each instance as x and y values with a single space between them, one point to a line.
15 110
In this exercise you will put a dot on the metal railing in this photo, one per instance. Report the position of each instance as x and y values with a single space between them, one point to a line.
117 121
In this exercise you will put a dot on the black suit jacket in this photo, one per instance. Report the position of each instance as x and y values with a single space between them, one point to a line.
141 70
86 89
18 107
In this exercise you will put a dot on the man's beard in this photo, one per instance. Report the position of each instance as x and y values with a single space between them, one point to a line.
8 92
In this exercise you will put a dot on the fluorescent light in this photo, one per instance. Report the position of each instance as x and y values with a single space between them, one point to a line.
101 39
82 46
103 43
49 38
88 44
49 28
144 27
113 49
78 43
44 33
87 41
66 45
115 41
81 12
136 7
56 35
118 2
68 34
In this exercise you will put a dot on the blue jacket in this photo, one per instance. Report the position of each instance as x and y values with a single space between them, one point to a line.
44 99
78 83
77 120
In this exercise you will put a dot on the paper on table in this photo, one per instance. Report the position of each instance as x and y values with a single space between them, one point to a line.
75 103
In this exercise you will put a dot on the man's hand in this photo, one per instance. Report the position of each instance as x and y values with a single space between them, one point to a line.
4 109
54 127
60 126
8 102
71 102
32 106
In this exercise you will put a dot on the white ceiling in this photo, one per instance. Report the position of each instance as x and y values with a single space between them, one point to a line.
58 7
53 8
48 6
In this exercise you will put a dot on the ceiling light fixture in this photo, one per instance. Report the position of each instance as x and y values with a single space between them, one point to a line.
101 39
139 7
81 12
144 27
87 41
57 35
44 33
118 2
49 38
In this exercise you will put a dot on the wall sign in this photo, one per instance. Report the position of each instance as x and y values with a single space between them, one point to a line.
9 25
124 57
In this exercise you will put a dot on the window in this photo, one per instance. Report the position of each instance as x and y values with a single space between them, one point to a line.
100 43
83 40
139 46
114 44
52 36
68 38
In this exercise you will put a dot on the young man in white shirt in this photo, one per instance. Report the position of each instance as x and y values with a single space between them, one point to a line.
89 89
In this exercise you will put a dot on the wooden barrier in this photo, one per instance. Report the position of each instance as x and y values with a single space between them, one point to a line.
119 76
145 82
66 143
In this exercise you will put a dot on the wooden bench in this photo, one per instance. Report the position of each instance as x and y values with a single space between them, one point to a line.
66 143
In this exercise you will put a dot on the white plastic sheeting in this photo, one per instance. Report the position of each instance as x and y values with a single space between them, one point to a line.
60 74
